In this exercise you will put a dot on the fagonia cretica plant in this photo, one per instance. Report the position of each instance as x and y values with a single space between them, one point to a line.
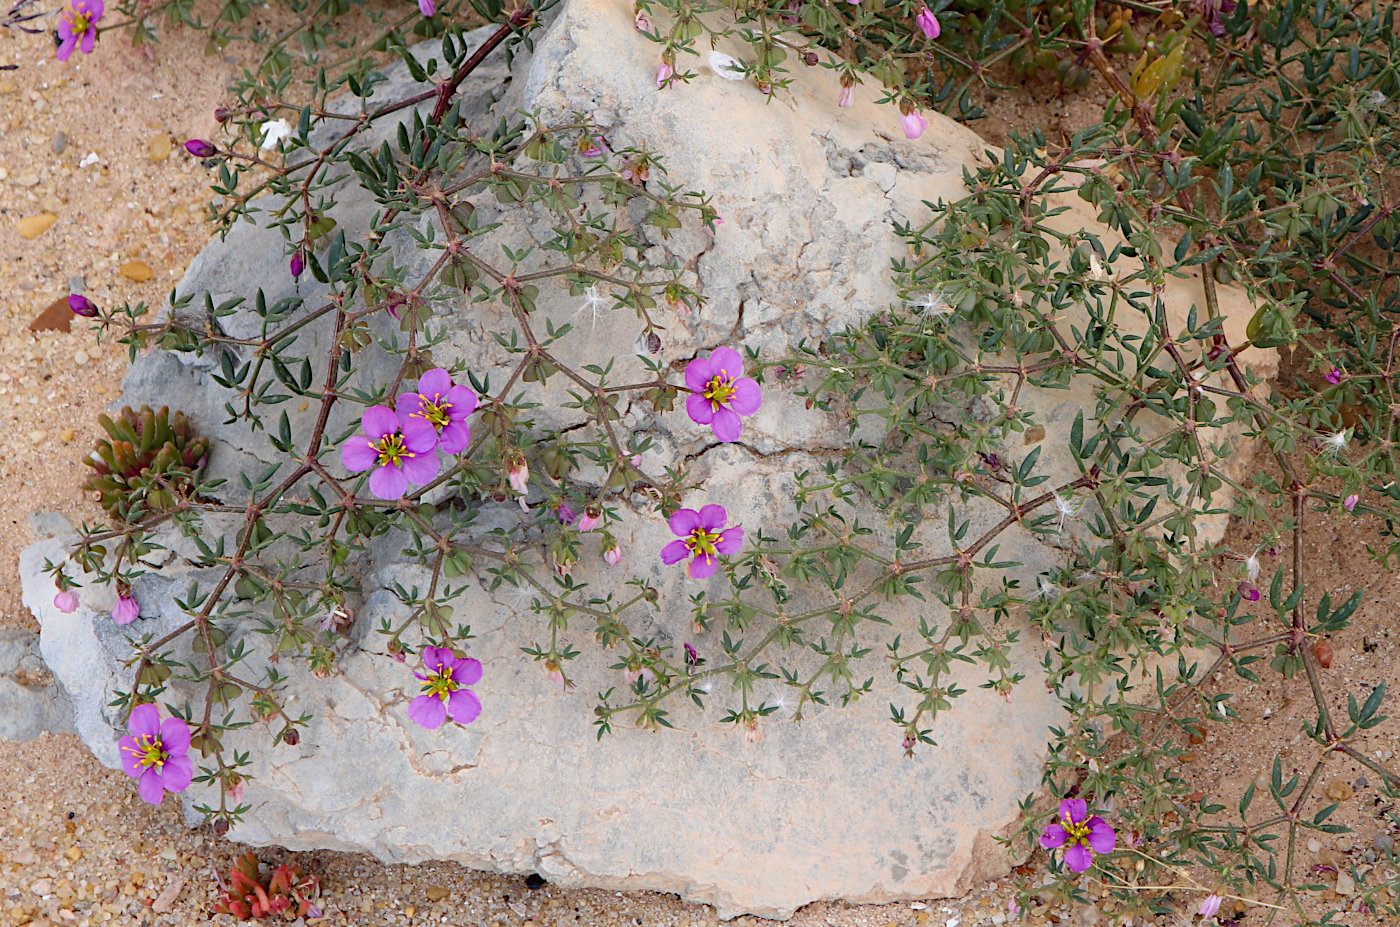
1248 145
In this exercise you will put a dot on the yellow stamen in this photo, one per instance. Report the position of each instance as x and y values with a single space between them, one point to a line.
720 389
148 752
391 450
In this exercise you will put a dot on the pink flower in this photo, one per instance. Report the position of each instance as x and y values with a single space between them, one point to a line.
156 753
77 27
663 74
398 447
914 124
642 22
719 393
589 521
703 538
1334 376
297 265
427 7
1349 503
591 147
66 601
555 673
82 306
442 404
200 148
847 97
1013 908
1210 906
1083 835
445 689
126 611
928 23
1248 592
613 555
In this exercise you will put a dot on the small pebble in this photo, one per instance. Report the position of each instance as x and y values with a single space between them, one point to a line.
34 226
80 358
1384 843
60 142
139 271
1339 791
437 893
159 147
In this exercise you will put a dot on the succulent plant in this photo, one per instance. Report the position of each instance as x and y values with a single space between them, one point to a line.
286 893
146 459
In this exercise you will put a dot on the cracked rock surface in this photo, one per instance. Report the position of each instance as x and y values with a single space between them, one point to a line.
828 808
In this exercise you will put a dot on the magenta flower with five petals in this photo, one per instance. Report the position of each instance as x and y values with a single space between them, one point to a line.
720 393
156 753
442 404
399 447
445 691
1082 835
77 27
703 538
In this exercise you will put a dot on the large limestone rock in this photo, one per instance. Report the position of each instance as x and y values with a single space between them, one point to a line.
829 808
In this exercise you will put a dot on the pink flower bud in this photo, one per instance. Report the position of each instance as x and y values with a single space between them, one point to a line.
82 306
613 555
427 7
555 673
66 601
590 519
126 611
663 74
927 22
914 124
200 148
1334 376
297 265
642 22
1210 906
847 97
1350 502
636 460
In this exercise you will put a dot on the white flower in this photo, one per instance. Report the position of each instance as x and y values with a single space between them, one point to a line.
592 302
274 133
1095 268
1338 440
1251 566
726 66
1067 507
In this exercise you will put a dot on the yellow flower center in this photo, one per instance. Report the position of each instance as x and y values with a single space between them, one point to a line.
1078 833
702 542
720 389
148 752
77 22
391 450
441 683
435 410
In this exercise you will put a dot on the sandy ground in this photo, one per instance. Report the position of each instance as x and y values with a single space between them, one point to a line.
76 844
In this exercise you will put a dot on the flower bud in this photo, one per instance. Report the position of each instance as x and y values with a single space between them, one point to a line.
290 737
590 519
220 827
914 124
663 74
847 97
82 306
66 601
126 610
200 148
613 555
297 265
928 23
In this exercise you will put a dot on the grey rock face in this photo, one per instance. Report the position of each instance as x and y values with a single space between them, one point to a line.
30 702
828 808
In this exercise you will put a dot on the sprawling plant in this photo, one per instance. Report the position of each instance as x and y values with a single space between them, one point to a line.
1247 145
